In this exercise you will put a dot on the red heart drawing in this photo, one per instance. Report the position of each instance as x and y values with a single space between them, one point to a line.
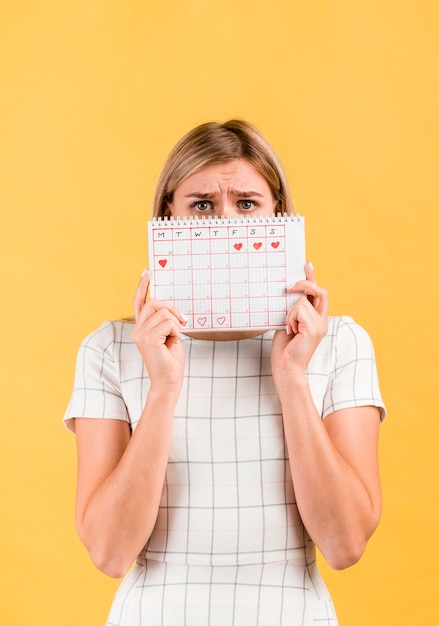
202 321
275 244
221 320
238 246
257 245
163 262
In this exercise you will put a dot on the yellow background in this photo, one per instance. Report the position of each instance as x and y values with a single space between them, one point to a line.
94 94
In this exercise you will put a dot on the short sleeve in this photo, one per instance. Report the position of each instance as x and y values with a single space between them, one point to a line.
96 391
353 379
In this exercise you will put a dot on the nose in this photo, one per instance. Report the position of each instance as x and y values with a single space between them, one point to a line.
228 209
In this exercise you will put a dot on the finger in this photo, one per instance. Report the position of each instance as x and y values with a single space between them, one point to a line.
141 293
159 309
303 307
318 298
162 328
309 288
304 313
309 276
297 315
167 331
309 272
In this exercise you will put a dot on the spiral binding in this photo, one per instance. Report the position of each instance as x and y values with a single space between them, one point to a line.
280 218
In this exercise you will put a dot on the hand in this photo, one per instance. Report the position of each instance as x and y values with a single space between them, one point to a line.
306 325
157 337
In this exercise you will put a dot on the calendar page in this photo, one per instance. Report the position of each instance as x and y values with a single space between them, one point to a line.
227 273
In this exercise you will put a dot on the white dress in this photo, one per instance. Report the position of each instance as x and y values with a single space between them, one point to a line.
229 546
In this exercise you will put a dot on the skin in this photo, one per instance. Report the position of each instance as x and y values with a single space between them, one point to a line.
334 463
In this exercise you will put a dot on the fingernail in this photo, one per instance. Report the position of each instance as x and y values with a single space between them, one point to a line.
311 266
183 318
144 272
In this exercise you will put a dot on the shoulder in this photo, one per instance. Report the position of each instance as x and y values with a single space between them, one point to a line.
344 323
346 332
107 336
100 368
345 343
353 377
108 345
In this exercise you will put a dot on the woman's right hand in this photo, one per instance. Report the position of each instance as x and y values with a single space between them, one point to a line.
157 337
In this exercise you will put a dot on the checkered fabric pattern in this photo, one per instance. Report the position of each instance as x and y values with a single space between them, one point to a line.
229 546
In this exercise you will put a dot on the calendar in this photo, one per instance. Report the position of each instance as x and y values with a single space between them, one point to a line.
227 273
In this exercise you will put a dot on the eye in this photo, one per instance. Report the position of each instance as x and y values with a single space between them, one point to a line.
201 205
247 205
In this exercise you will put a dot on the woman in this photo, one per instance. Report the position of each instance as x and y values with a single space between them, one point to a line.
217 462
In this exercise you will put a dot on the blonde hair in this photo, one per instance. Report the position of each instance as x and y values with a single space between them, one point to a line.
212 143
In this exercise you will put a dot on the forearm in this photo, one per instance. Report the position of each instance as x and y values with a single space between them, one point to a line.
335 505
120 515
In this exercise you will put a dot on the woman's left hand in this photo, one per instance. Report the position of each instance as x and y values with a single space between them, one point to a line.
307 324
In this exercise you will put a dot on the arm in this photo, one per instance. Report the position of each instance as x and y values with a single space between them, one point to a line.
334 463
120 477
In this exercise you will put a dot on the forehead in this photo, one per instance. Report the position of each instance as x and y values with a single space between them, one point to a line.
237 173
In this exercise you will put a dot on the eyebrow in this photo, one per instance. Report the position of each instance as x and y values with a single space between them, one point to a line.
233 192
